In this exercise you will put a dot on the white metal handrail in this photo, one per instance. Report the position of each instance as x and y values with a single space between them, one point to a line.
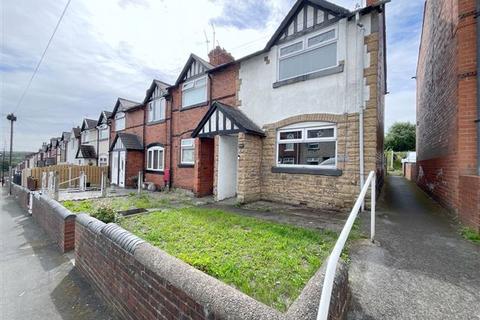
337 250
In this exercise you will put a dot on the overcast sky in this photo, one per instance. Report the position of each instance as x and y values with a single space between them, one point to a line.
114 48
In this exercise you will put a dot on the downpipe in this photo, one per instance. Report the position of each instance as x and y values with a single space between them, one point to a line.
362 109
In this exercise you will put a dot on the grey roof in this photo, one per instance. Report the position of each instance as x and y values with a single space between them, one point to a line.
88 124
123 105
104 115
192 57
76 132
155 83
65 135
86 151
235 115
130 141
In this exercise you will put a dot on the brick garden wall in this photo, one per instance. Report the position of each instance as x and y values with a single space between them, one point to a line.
469 188
143 282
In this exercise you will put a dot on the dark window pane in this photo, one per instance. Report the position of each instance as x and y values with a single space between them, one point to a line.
291 135
314 154
320 133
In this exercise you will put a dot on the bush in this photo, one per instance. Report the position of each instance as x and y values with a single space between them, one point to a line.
104 213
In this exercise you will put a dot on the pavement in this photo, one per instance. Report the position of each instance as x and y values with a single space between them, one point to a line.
36 280
419 268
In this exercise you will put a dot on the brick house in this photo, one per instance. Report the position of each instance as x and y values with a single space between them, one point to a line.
87 150
127 127
51 152
304 122
63 147
448 107
103 140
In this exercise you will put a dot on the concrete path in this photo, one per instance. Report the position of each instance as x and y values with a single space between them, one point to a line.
36 281
421 267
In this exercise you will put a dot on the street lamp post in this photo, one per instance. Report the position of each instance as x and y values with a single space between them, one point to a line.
12 118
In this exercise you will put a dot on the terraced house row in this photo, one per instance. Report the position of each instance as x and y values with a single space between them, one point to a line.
300 121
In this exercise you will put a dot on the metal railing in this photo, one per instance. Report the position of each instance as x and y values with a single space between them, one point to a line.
337 250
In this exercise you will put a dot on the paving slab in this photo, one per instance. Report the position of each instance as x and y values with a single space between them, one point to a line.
420 267
36 280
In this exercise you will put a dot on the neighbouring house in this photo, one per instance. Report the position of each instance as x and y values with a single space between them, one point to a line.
300 121
87 151
103 129
126 149
73 145
42 155
157 133
52 149
63 147
448 107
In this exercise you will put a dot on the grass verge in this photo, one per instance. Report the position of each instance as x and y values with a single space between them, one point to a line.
268 261
470 234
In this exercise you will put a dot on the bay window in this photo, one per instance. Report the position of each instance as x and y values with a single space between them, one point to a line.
156 107
119 121
309 54
155 158
187 151
194 92
308 146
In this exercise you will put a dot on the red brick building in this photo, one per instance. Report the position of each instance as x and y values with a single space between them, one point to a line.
448 107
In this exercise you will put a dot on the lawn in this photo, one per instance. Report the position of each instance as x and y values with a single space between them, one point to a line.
133 201
268 261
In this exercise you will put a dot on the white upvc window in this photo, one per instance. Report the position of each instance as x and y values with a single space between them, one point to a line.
307 145
308 54
84 136
156 110
155 158
103 161
187 151
103 132
194 92
119 121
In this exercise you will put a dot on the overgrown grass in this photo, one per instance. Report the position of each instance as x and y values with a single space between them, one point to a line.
471 235
268 261
144 201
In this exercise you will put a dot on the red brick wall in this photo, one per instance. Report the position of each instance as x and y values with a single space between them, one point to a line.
224 84
134 164
410 171
134 291
469 213
446 100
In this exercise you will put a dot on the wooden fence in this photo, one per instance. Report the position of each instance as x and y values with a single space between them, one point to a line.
66 172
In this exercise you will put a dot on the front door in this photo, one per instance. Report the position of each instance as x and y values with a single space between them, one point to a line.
114 168
121 168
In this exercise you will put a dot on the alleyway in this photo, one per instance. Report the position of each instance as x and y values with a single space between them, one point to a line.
36 281
421 269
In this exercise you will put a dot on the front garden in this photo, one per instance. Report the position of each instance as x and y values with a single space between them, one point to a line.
269 261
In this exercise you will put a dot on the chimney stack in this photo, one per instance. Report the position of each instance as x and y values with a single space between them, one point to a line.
371 2
219 56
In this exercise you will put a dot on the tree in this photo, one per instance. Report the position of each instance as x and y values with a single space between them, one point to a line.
401 137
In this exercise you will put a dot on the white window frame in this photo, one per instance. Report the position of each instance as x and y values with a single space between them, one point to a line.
159 102
192 85
102 128
306 48
120 116
305 139
187 144
150 165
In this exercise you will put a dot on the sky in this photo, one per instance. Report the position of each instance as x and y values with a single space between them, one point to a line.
114 48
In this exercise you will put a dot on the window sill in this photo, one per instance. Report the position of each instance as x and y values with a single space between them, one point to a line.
312 171
151 123
193 106
184 165
154 171
310 76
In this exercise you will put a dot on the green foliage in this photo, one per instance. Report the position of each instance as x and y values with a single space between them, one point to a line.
470 234
401 137
85 206
17 157
104 213
270 262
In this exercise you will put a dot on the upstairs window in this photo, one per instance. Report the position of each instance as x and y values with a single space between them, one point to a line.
194 92
84 136
156 107
307 55
155 158
309 146
103 132
187 149
119 121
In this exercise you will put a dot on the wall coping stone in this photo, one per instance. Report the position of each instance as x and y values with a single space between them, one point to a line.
91 223
126 240
63 212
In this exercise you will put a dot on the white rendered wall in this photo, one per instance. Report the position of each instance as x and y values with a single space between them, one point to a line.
227 167
334 94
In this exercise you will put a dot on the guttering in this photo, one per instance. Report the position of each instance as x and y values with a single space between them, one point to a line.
478 87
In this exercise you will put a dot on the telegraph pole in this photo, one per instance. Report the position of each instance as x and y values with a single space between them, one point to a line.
3 166
12 118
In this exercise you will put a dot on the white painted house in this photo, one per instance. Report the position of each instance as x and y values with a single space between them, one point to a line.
316 92
87 151
72 146
103 129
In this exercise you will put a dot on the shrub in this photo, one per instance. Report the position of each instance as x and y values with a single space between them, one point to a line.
104 213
